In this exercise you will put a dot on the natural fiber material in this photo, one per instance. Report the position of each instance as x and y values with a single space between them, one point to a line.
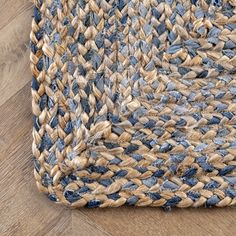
134 102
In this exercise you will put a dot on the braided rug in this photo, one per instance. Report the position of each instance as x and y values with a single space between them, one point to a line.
134 102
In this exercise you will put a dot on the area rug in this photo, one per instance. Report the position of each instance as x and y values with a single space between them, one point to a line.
134 102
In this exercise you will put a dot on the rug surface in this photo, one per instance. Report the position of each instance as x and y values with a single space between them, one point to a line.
134 102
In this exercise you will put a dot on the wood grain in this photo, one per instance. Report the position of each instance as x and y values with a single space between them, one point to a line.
23 210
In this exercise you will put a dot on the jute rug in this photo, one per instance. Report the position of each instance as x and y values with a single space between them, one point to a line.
134 102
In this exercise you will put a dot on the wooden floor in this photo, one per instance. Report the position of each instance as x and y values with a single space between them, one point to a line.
23 210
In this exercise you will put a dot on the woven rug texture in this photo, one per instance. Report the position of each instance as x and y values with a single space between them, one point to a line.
134 102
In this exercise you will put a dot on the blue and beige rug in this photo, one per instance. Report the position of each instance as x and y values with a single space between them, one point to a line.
134 102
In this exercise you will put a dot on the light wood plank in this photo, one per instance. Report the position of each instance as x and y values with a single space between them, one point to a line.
14 61
155 221
83 226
